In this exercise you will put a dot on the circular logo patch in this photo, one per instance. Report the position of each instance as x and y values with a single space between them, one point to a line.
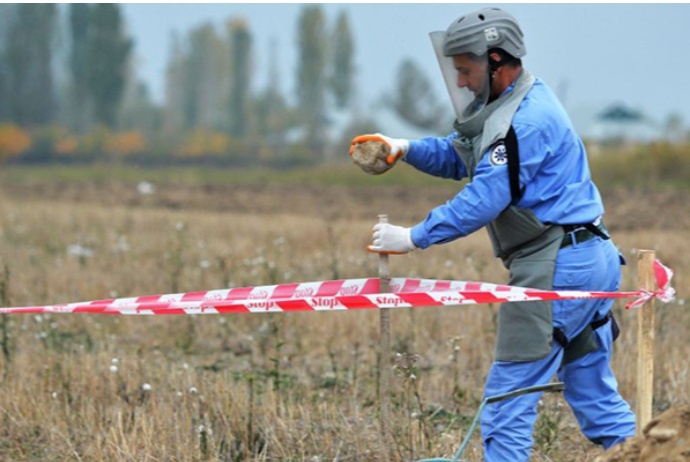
499 155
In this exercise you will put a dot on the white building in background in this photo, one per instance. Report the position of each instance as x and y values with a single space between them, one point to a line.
620 124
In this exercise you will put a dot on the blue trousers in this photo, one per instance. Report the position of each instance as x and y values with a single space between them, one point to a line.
591 389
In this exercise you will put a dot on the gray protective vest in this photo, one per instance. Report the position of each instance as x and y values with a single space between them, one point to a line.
527 247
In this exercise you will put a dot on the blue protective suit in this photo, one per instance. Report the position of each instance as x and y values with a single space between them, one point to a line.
558 189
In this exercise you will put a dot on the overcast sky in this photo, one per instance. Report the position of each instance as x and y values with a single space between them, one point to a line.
591 55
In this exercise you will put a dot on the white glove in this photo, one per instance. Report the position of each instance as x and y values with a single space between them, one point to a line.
390 239
397 146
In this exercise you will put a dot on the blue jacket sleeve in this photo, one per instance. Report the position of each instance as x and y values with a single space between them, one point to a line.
437 157
483 199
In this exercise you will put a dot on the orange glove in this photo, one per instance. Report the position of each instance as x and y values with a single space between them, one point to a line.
398 147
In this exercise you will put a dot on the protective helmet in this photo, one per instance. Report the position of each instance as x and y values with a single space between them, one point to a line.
482 30
463 55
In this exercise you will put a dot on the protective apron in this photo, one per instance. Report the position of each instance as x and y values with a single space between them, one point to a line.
527 247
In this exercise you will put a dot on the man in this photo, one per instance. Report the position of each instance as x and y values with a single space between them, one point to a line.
531 188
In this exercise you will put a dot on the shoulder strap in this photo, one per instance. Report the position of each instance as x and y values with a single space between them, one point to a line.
513 151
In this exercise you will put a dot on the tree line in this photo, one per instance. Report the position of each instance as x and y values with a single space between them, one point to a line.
69 90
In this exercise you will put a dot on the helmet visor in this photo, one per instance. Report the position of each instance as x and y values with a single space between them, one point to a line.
466 77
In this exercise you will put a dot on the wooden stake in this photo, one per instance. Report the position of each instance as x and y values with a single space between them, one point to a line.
645 341
385 361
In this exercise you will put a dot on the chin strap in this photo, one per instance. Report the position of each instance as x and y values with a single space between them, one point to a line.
494 66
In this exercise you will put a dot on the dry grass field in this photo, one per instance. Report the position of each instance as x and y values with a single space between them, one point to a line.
288 387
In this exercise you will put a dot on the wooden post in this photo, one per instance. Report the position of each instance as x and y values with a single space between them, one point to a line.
645 341
385 359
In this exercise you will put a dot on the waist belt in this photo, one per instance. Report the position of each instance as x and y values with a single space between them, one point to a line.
582 233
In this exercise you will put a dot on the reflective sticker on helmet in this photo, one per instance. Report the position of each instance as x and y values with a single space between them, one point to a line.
491 34
499 155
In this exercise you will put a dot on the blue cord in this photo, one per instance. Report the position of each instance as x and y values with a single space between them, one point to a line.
551 387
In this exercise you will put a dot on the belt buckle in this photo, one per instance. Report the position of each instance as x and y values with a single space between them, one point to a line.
573 235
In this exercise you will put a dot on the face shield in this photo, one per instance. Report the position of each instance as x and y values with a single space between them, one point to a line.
467 79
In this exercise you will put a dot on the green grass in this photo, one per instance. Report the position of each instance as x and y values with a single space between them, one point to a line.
333 174
657 166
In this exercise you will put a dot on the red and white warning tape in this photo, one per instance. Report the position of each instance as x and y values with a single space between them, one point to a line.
665 293
350 294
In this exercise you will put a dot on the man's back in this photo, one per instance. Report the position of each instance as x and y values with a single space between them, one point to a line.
561 190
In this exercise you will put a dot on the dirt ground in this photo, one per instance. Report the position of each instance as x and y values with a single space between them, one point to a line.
665 439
